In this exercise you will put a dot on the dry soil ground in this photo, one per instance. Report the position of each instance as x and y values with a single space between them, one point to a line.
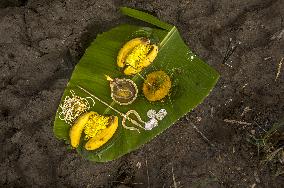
42 40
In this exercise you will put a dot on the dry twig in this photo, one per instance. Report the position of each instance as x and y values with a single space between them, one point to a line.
148 178
203 136
237 122
245 110
229 51
122 182
174 179
279 68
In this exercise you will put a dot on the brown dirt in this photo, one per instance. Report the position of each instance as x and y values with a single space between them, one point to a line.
40 43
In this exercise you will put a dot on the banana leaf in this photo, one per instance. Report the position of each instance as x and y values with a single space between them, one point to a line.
192 80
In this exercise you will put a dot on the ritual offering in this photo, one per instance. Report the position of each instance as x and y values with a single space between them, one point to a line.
132 83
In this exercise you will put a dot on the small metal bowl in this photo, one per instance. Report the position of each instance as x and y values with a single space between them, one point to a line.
123 91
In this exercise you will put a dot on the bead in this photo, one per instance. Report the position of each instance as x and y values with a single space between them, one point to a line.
151 124
151 113
161 114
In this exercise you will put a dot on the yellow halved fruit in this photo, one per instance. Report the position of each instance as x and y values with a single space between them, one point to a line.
135 55
156 86
101 138
97 128
78 127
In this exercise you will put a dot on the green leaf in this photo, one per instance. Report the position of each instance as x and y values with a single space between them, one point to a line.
192 82
145 17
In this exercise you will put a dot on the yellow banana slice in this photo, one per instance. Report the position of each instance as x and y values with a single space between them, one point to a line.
151 56
131 70
135 55
96 127
127 48
101 138
78 127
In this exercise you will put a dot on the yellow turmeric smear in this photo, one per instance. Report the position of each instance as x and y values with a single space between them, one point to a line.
137 56
95 125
